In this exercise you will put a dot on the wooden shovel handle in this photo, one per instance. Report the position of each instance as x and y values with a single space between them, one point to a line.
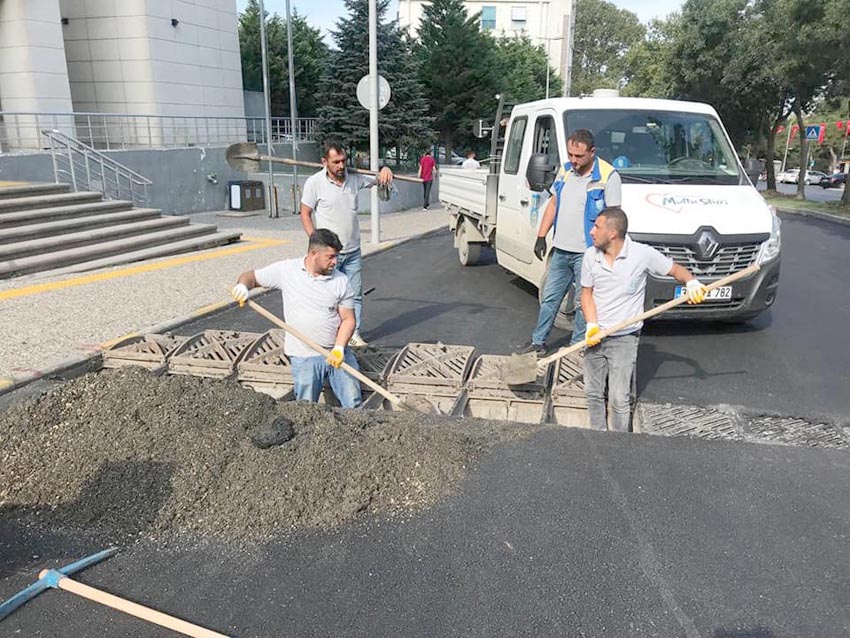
134 609
354 372
292 162
563 352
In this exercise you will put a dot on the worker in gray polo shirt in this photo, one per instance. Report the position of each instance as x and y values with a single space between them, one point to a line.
613 280
329 200
318 301
583 187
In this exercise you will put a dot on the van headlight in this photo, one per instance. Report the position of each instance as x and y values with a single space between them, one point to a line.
770 248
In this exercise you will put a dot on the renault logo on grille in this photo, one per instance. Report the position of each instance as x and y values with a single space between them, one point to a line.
707 245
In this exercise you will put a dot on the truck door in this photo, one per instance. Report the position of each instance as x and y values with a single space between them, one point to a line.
521 209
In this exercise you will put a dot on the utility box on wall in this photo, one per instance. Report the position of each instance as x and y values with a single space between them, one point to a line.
244 195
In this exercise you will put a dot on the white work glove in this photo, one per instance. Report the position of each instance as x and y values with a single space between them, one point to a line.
240 294
695 291
336 356
591 335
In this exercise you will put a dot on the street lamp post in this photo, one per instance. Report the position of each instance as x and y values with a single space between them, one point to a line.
293 108
266 105
548 40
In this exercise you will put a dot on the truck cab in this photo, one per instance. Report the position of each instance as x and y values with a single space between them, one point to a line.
685 192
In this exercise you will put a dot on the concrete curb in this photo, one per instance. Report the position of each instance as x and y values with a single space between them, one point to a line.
78 366
815 214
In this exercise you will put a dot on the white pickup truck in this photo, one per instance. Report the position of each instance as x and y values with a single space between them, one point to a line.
684 190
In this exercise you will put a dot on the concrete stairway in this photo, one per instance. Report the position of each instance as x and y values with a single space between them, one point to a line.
46 227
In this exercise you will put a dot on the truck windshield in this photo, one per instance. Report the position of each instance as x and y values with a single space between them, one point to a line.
660 147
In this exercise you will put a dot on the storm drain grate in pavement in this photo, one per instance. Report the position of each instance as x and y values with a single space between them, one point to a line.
212 353
681 420
793 431
147 351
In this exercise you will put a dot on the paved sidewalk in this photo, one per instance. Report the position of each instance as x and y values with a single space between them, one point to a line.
45 320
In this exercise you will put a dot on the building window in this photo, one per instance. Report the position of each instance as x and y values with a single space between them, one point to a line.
518 18
488 18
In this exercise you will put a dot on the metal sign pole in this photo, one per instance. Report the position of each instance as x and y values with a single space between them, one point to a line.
267 105
373 115
293 109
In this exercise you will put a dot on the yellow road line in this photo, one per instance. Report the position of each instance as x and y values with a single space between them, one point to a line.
5 382
254 243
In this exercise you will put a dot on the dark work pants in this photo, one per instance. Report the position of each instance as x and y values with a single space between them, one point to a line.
427 188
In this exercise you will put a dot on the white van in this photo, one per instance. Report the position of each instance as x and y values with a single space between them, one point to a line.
685 192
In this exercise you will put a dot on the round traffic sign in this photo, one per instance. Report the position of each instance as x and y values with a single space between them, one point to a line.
363 92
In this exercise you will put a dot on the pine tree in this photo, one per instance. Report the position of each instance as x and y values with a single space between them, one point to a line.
457 68
404 120
309 53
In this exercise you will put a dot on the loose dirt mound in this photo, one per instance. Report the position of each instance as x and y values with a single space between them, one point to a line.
125 453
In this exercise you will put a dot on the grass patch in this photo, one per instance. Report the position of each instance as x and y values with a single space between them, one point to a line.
789 202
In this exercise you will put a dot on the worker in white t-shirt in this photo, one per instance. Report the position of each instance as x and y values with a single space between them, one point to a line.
470 161
317 300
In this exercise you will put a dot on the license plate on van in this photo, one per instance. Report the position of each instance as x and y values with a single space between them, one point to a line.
718 294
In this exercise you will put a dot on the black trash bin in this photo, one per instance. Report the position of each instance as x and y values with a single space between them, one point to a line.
246 195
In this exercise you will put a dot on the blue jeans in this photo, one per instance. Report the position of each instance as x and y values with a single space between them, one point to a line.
351 265
564 271
310 373
612 360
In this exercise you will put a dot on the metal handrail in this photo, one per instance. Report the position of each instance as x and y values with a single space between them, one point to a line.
88 169
119 131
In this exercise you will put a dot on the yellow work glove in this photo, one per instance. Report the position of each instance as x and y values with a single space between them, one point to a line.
240 294
336 356
592 335
695 291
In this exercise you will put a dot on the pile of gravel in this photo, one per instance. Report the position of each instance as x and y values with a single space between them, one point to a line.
125 453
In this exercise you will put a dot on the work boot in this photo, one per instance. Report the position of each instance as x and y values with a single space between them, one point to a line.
357 341
537 348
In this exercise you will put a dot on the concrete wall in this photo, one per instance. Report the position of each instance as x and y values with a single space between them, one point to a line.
179 175
127 57
33 72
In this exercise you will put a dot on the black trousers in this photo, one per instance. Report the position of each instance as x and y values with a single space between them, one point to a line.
427 187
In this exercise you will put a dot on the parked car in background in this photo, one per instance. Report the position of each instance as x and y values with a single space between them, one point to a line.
836 180
456 159
788 177
814 177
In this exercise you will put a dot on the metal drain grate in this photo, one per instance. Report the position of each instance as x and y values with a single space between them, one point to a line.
213 353
792 431
432 364
147 351
264 366
487 396
374 361
678 420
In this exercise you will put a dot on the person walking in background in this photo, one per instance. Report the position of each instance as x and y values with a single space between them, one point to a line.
427 170
329 200
470 162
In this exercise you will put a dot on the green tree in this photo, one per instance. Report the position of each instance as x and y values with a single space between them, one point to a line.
457 68
646 62
521 70
309 53
405 120
604 34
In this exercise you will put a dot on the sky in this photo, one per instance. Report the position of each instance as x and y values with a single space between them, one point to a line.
324 13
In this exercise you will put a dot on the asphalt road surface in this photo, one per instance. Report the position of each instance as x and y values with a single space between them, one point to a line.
566 533
792 360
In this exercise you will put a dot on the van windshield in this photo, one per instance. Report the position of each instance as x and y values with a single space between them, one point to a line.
660 147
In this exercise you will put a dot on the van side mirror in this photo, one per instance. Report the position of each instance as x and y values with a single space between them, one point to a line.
540 172
752 167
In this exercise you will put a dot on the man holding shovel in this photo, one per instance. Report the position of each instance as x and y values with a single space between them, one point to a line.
613 280
331 195
317 300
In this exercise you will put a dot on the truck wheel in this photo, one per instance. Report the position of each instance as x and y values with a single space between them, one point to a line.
564 318
468 253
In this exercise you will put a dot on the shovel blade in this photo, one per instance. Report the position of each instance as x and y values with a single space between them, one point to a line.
244 157
520 369
420 404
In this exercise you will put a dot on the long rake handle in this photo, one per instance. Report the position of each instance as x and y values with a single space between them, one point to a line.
563 352
315 346
292 162
134 609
